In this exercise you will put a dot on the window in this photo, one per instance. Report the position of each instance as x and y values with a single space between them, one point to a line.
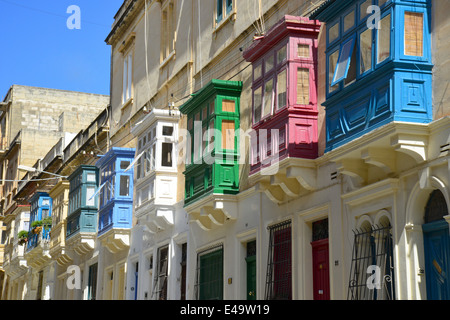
349 21
124 165
302 86
270 82
223 10
209 277
282 55
92 282
167 131
45 213
343 64
91 177
333 32
384 39
281 89
414 34
303 50
127 77
363 8
124 186
166 154
228 128
332 63
268 94
150 158
257 104
160 287
372 246
365 47
183 271
168 29
279 268
90 199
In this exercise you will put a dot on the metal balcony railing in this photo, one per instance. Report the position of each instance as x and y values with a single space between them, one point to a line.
41 238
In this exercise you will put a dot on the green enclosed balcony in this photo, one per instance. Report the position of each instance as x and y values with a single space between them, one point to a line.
212 151
83 206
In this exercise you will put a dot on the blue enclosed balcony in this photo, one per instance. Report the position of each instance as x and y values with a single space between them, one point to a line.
378 65
83 205
39 230
115 196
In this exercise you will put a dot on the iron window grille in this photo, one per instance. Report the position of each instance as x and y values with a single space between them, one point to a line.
279 265
160 283
209 274
372 251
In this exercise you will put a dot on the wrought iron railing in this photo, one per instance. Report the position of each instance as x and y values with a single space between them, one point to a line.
40 237
372 268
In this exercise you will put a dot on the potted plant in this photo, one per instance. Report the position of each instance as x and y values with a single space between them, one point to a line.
23 237
47 223
36 226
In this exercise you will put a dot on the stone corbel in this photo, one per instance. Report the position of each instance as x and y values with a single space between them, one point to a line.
381 158
290 186
412 145
274 193
307 177
355 168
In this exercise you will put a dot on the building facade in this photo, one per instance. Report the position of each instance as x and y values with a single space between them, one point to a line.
257 150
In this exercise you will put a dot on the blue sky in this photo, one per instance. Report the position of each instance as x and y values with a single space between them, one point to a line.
38 49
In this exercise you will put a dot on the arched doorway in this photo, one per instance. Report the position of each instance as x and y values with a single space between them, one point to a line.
436 245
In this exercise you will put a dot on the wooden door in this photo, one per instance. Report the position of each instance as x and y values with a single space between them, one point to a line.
321 270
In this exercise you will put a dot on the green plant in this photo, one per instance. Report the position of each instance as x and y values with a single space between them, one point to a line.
37 223
22 234
23 237
47 222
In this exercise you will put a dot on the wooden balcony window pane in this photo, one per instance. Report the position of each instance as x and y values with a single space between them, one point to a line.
414 34
365 50
268 94
333 32
281 55
281 88
257 103
302 86
166 155
332 62
228 128
303 50
124 186
228 106
384 39
363 8
349 20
